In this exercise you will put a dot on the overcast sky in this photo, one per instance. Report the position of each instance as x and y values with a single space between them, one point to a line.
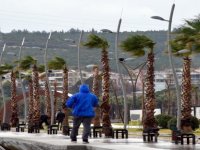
57 15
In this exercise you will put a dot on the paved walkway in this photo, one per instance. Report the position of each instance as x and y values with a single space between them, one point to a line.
61 142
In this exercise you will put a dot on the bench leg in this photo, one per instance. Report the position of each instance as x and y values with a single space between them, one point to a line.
188 140
182 141
116 135
144 138
149 138
156 138
127 135
123 135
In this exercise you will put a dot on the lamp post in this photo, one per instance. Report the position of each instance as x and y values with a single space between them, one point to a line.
120 74
122 61
79 68
2 90
47 79
141 66
20 80
172 65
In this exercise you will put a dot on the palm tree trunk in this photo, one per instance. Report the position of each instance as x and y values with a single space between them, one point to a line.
36 100
95 90
14 109
65 96
186 90
149 121
30 115
4 101
105 107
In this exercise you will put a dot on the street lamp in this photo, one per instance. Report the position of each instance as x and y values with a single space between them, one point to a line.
79 68
120 74
122 61
47 79
172 65
20 80
2 90
127 68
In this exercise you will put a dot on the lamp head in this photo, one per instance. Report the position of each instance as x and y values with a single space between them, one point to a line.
159 18
121 59
4 46
106 31
23 41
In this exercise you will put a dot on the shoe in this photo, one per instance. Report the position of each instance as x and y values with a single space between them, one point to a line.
74 141
85 142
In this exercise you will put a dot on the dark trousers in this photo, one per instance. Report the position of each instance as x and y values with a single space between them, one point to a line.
60 125
86 127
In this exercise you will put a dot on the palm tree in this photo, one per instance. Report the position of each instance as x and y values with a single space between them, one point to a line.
137 45
95 41
56 64
95 89
188 41
25 65
14 109
3 70
30 110
64 99
36 100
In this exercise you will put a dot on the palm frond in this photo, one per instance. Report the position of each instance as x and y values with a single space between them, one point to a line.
136 44
26 62
56 63
95 41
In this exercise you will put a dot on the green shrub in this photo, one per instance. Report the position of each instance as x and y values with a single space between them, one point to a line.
172 124
194 123
162 120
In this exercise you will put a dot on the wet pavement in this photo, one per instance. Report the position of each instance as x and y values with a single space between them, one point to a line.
61 142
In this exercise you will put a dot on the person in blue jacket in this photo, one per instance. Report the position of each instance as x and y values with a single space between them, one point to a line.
83 104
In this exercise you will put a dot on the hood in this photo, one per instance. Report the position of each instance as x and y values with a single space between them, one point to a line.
84 88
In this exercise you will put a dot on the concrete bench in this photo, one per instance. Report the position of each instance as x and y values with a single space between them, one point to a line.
67 130
181 138
53 129
96 131
117 132
5 126
20 127
150 135
34 129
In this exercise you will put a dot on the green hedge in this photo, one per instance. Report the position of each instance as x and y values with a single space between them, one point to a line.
162 120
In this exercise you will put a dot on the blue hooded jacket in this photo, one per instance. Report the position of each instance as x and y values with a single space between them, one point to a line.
83 102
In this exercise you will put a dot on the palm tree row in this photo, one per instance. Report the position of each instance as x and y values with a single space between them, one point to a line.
187 38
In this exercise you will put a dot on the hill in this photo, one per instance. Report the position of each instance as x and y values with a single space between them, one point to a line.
64 44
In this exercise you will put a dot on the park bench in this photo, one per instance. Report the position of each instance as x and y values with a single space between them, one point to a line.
5 126
53 129
34 128
180 137
150 135
185 133
20 127
117 132
67 130
96 131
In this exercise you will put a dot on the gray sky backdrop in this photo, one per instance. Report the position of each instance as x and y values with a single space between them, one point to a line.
51 15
